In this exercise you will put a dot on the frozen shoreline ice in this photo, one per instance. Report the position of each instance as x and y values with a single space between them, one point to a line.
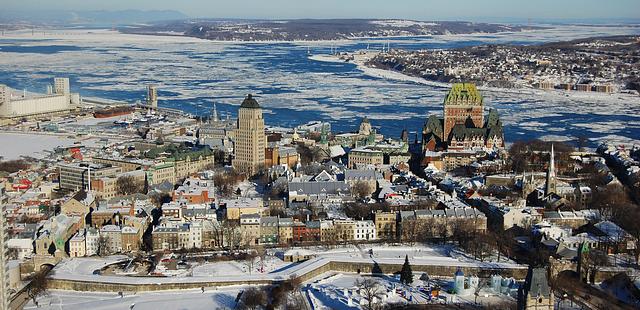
295 88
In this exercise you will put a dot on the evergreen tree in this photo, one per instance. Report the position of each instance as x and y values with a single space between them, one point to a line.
406 275
145 188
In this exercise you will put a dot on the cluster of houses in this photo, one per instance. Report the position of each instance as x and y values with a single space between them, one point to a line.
626 158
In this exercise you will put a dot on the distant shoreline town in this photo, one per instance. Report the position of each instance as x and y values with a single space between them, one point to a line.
315 29
600 64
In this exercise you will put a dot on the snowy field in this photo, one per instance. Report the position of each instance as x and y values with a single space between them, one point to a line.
340 291
418 253
230 268
221 298
192 74
15 145
82 269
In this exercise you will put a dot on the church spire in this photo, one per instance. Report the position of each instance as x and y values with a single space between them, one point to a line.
551 174
552 164
214 113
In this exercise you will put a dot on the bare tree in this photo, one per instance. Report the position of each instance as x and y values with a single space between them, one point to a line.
608 198
39 286
481 246
371 290
286 295
159 198
12 166
231 235
253 298
226 180
13 253
596 260
128 185
277 190
426 229
250 260
410 231
295 301
261 252
360 189
103 245
443 231
476 292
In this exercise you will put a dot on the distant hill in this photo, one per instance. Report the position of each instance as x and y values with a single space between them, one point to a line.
314 29
97 18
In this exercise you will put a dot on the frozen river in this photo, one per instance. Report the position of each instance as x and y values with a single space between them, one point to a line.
192 74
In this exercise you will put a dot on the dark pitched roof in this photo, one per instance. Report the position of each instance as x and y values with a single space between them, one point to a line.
536 283
493 118
80 195
459 131
250 103
435 126
495 131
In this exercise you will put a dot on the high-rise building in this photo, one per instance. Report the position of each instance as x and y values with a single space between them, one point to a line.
4 276
4 94
250 140
463 103
550 187
61 86
152 96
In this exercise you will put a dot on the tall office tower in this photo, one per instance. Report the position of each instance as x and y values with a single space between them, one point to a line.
4 94
4 276
61 86
250 141
152 96
462 104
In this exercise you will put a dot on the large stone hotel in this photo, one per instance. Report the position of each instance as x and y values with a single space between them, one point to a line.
463 132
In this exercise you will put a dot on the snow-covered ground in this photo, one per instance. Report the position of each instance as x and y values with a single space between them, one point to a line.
419 253
248 189
220 298
38 145
230 268
82 269
333 290
16 145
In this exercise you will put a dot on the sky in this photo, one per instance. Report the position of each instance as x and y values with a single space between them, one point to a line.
411 9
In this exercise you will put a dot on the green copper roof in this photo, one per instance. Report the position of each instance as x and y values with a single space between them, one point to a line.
463 93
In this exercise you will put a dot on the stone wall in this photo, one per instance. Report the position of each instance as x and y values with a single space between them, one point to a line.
518 273
89 286
557 266
437 271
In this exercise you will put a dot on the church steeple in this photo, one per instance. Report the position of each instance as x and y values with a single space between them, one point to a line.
551 174
214 113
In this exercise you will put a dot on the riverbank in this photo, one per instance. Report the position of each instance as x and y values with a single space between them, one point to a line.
360 59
